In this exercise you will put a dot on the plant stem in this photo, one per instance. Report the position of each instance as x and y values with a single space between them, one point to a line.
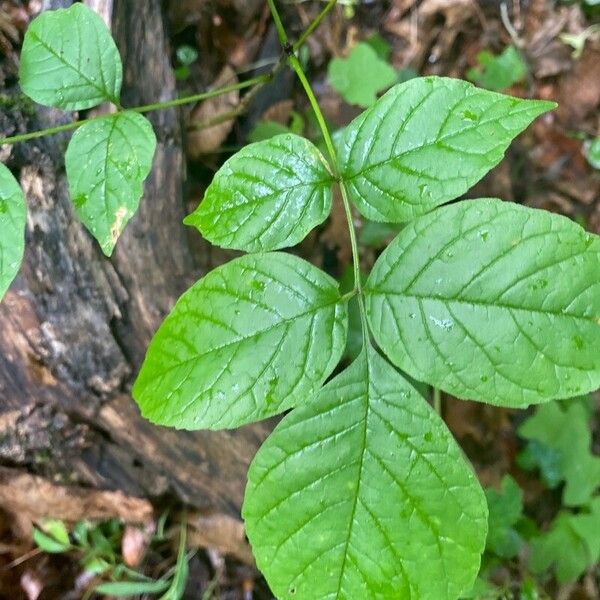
295 64
205 95
140 109
437 401
281 33
309 30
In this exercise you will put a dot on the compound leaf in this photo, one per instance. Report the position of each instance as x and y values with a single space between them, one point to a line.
425 142
252 338
473 299
107 161
363 493
267 196
69 60
361 76
13 215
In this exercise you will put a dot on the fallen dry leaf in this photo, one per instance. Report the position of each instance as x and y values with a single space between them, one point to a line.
201 139
219 532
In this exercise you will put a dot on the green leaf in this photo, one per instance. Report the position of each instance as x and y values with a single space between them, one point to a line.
107 161
131 588
539 456
252 338
96 565
13 216
377 234
361 76
499 72
593 153
566 431
382 47
505 510
473 299
179 581
265 130
57 529
69 60
570 547
363 493
425 142
267 196
55 537
186 55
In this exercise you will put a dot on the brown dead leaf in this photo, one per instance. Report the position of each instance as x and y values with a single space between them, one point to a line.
579 93
279 112
203 138
219 532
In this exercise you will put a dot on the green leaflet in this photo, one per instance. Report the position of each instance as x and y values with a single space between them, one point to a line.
425 142
107 161
69 60
361 76
252 338
267 196
13 215
363 493
491 301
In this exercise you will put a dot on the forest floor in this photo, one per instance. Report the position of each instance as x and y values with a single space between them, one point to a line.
527 48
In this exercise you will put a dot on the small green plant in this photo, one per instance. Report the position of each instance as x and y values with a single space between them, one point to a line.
186 56
558 445
361 76
361 491
98 547
498 72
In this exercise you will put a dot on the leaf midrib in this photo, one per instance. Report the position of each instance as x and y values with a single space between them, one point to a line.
245 338
103 91
363 451
260 200
399 156
374 292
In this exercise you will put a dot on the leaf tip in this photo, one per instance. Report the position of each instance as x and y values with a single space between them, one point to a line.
191 220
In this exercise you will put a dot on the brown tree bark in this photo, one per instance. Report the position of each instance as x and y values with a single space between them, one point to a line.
75 325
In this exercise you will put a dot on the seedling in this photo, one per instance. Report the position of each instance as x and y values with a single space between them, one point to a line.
98 547
498 72
361 491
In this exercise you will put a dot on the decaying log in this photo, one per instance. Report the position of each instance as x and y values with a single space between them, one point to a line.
74 326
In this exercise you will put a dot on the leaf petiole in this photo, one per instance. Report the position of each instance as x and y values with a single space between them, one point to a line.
139 109
295 64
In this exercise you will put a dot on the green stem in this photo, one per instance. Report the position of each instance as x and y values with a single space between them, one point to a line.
205 95
283 38
437 401
309 30
140 109
295 64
